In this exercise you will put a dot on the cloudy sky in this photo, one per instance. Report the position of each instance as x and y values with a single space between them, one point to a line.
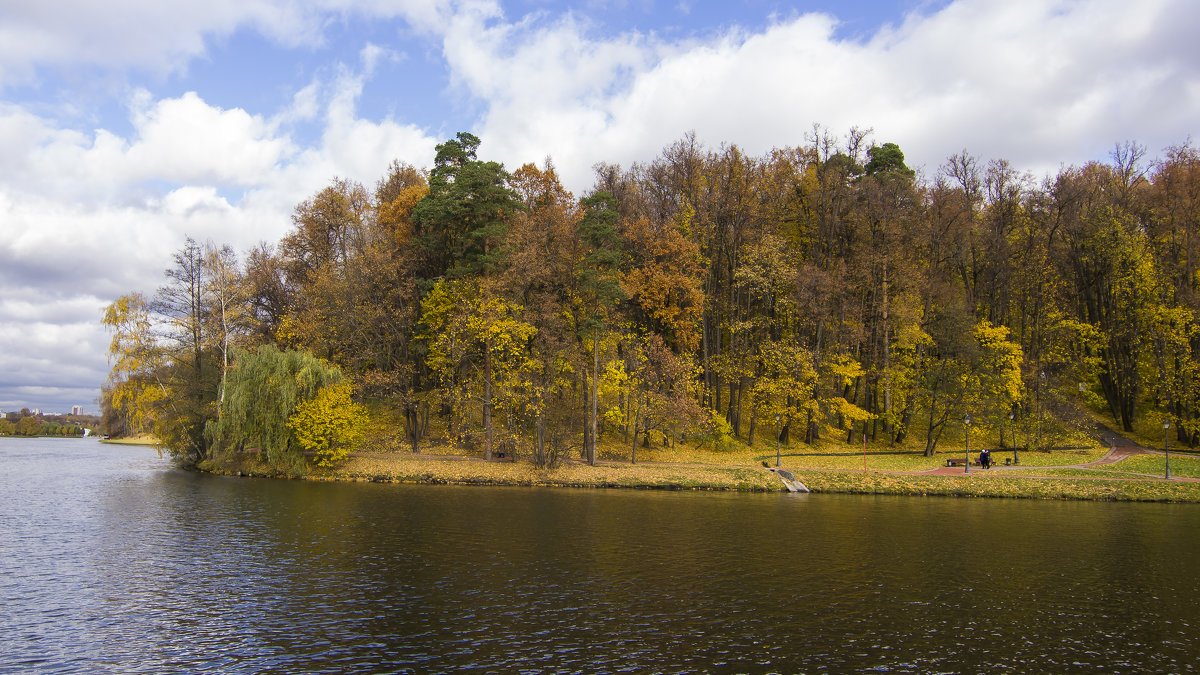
127 125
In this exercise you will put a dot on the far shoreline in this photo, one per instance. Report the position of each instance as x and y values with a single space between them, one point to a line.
1033 483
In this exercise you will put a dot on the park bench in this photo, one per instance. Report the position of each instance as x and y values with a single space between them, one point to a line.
960 461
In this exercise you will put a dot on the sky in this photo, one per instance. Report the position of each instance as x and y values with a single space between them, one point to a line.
129 125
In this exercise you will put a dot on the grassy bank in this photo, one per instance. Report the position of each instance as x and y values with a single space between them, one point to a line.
138 440
1008 484
827 466
454 470
827 472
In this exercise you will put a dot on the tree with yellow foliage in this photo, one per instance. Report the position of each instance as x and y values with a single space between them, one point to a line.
134 390
330 425
475 340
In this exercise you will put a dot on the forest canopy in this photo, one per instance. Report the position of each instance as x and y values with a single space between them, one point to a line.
823 290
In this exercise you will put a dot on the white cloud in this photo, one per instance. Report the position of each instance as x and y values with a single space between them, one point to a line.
87 217
50 343
1034 82
181 140
163 37
188 141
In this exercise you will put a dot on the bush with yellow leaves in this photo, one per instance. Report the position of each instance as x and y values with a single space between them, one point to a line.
331 424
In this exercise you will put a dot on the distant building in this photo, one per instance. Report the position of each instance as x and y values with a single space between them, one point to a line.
76 410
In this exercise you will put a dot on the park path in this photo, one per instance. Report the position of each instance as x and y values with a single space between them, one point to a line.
1120 447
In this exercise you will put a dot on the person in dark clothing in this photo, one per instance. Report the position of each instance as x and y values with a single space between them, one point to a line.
985 458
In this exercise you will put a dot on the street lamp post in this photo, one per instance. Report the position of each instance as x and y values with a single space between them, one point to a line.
1167 447
967 425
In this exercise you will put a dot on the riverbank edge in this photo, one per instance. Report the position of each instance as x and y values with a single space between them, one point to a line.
454 470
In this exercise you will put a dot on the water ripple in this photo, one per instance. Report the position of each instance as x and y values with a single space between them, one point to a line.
116 563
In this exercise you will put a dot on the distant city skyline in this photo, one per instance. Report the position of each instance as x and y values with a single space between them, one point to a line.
37 410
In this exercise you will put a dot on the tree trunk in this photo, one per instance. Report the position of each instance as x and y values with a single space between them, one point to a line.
750 431
540 448
857 384
905 420
587 428
637 418
487 399
410 416
595 393
887 357
930 441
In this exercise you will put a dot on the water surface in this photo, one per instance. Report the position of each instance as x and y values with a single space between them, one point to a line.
115 562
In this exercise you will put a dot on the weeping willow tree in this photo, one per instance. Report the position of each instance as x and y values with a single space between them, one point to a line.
261 395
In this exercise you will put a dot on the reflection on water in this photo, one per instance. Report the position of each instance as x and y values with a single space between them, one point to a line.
115 562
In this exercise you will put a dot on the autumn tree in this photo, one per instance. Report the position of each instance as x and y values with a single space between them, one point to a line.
546 252
1174 201
784 392
265 387
392 360
461 226
191 378
598 289
1107 259
995 385
662 400
134 389
826 284
330 424
226 296
268 295
474 340
329 231
28 426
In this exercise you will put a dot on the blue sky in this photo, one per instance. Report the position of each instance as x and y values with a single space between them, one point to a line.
127 126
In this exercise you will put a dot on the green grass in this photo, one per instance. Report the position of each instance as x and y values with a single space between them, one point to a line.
459 471
1182 466
1065 473
1002 484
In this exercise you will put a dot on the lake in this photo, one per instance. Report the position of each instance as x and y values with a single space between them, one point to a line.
113 561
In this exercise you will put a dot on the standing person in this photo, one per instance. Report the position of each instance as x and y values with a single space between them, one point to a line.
985 458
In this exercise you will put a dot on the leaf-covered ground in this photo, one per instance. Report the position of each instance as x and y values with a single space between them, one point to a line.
832 471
